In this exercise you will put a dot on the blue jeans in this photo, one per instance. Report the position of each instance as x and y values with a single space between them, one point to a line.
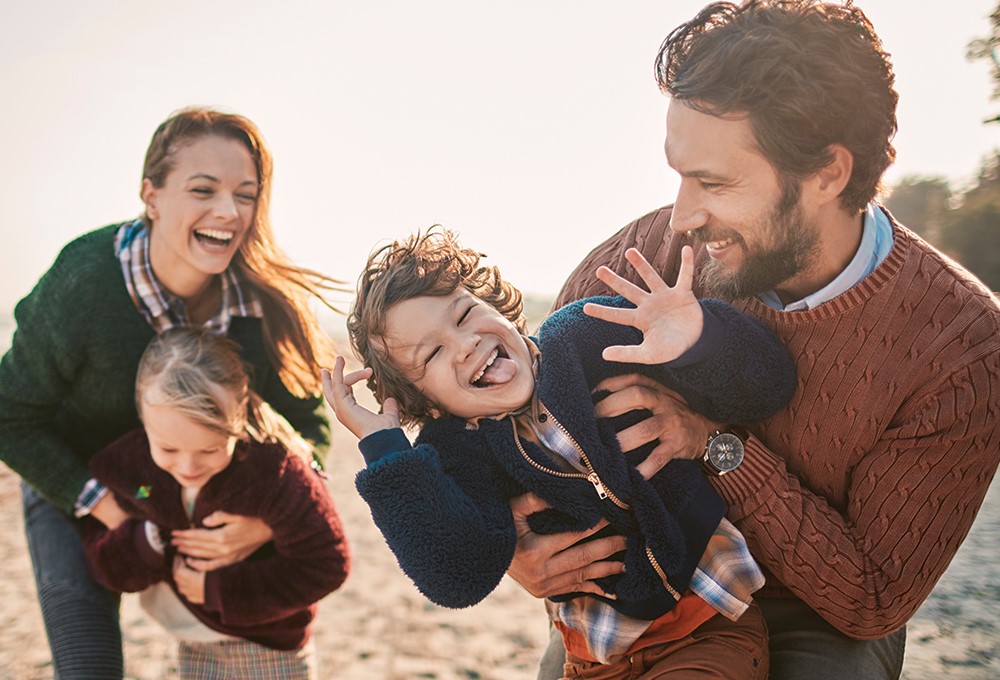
81 617
802 645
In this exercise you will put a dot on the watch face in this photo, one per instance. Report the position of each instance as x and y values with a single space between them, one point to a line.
725 452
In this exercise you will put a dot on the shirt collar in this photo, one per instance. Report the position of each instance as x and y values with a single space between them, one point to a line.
876 242
161 308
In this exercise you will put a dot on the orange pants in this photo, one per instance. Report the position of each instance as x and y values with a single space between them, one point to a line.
719 648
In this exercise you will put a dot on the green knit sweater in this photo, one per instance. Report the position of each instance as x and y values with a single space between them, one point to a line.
67 383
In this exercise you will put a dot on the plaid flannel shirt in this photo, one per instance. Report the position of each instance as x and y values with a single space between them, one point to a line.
164 310
726 577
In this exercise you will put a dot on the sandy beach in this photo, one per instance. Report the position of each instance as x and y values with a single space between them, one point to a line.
379 627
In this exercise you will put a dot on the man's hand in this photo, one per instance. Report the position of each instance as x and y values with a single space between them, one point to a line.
359 420
681 432
554 564
230 539
669 317
190 583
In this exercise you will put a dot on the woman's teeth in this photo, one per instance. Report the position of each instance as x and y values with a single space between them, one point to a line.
482 371
215 235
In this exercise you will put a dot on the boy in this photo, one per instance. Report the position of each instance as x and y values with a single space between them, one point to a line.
502 414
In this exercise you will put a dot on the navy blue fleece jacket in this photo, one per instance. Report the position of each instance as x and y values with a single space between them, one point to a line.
442 503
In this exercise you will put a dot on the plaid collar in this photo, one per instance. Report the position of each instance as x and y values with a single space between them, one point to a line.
161 308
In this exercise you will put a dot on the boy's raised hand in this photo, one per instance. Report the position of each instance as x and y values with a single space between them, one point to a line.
669 317
352 415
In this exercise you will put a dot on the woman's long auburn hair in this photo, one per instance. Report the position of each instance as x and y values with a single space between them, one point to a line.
295 342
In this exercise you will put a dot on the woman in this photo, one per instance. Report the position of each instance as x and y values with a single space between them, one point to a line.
203 253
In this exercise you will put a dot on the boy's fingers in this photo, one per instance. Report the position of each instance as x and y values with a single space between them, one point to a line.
327 385
612 314
626 354
623 287
685 277
355 377
390 407
645 270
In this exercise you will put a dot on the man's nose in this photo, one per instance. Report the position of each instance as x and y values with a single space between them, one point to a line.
688 213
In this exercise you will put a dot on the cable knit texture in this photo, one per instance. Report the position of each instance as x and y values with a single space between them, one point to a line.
856 496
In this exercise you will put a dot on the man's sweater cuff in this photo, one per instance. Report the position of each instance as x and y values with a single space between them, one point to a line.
746 488
383 442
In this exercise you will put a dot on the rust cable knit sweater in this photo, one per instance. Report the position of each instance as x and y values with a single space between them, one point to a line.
856 496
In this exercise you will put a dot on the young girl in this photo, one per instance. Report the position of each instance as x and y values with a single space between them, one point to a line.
204 252
502 414
209 443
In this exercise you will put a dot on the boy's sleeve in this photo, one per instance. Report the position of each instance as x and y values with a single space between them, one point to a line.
737 371
443 514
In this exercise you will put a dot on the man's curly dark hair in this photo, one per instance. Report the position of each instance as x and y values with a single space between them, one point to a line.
808 74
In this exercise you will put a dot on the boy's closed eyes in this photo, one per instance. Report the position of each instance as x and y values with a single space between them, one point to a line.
461 353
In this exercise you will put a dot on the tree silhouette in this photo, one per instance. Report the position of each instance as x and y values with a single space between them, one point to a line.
986 48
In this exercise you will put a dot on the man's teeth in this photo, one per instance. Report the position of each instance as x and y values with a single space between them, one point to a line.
489 362
716 245
216 234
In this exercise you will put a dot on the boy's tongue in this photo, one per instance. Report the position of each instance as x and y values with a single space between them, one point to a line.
502 370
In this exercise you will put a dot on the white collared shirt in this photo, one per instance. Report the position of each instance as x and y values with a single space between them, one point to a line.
876 242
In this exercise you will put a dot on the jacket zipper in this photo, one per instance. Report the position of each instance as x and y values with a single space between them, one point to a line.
603 492
663 576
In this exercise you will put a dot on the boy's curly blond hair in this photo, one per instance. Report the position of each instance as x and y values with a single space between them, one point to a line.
427 263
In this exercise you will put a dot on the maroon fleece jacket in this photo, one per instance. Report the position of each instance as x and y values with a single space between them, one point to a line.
270 597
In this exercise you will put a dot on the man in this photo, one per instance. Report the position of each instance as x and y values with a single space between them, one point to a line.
856 497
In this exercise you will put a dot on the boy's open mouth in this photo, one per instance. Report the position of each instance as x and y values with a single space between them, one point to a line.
497 370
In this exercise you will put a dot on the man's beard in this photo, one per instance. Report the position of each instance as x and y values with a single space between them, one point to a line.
792 247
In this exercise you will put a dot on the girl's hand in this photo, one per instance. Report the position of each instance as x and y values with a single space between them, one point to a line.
670 318
229 539
359 420
190 583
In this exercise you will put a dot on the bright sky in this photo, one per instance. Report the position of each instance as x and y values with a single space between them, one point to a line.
534 128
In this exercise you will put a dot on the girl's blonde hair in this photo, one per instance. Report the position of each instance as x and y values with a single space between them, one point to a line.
199 373
292 334
427 263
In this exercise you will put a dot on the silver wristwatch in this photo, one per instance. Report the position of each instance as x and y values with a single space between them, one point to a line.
723 453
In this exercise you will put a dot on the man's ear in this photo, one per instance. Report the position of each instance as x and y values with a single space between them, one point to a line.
830 180
149 197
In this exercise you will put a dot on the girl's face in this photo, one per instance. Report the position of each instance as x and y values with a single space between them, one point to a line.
202 213
191 452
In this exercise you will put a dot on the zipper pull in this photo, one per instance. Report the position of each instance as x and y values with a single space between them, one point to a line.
596 481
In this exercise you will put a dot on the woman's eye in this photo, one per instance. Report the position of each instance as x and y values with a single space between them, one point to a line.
710 185
433 354
202 191
247 198
464 315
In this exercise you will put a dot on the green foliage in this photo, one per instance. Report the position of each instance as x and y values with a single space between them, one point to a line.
986 48
920 203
